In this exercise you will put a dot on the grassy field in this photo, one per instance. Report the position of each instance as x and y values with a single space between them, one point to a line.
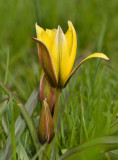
89 103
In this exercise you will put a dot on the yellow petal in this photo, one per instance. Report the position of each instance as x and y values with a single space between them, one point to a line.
46 40
94 55
39 30
63 53
44 36
69 36
56 51
69 53
48 37
72 37
51 33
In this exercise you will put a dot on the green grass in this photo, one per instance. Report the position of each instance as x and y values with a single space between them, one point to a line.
89 103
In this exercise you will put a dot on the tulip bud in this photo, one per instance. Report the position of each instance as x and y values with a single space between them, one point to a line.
46 126
47 91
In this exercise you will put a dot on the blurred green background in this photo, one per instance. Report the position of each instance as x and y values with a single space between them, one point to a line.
96 24
17 27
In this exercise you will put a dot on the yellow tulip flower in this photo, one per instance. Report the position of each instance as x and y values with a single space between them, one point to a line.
57 52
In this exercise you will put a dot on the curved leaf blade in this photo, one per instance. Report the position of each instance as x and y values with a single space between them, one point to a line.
92 148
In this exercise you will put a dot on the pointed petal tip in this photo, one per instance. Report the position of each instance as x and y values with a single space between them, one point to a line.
70 25
35 39
36 26
107 59
69 22
101 55
59 28
45 100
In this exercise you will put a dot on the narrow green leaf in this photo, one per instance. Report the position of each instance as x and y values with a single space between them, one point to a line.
13 143
24 114
21 152
42 148
30 125
108 156
114 127
3 106
7 65
83 119
5 125
92 148
20 123
114 154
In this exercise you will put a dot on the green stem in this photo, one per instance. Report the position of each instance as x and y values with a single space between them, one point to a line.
56 108
24 114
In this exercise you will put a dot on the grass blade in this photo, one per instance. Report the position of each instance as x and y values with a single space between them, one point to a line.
13 143
92 148
7 65
3 106
114 127
24 114
21 152
20 123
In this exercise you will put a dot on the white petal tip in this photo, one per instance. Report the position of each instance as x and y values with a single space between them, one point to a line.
69 21
35 24
107 59
59 27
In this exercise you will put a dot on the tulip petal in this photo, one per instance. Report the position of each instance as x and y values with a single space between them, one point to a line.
48 37
44 37
63 53
74 45
72 39
47 62
54 49
69 53
51 33
94 55
39 30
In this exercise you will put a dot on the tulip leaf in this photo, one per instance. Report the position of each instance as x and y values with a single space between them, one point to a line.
114 127
20 123
114 153
92 149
